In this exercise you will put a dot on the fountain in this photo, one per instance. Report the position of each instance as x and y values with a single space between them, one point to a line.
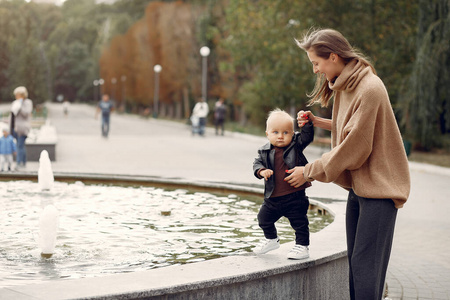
48 227
45 172
236 267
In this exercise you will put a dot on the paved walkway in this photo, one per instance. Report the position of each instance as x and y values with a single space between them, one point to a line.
420 261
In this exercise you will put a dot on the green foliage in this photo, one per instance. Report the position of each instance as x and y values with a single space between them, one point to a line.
275 72
72 70
254 61
427 102
55 50
23 58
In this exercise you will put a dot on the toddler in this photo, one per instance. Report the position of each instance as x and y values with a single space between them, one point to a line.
7 149
275 161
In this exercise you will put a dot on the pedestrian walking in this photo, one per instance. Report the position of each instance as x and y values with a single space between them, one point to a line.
198 117
105 107
66 105
220 111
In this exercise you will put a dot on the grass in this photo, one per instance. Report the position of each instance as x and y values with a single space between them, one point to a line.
436 157
249 129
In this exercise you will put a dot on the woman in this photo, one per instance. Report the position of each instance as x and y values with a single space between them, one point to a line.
198 118
21 110
367 157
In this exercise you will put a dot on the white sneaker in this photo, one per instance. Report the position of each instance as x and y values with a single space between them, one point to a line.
298 252
267 245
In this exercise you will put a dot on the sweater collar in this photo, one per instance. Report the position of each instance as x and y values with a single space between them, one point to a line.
350 76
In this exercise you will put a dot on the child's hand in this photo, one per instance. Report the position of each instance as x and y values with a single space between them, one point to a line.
304 117
266 173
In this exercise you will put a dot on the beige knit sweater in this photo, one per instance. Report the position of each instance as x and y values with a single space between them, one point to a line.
367 153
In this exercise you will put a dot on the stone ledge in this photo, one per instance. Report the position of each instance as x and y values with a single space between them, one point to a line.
44 138
270 276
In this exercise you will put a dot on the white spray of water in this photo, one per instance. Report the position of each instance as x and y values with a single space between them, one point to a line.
45 173
48 227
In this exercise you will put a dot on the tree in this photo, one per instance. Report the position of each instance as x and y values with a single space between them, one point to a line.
427 101
72 71
274 72
26 60
52 49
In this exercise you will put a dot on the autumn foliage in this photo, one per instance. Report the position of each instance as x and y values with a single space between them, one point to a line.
165 36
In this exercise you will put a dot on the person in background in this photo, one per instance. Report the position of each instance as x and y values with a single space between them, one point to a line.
198 118
7 150
220 112
367 157
66 105
275 161
20 122
105 107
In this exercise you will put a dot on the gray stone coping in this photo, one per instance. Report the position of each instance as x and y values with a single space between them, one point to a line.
326 245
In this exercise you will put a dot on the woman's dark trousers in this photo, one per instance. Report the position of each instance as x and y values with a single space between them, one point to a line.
370 229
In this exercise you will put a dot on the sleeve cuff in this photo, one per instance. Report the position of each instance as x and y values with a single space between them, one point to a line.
306 172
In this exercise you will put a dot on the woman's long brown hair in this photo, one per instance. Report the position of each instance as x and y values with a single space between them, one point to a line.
324 42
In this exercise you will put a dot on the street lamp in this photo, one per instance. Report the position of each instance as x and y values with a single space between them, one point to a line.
157 69
101 81
123 78
113 81
96 83
204 52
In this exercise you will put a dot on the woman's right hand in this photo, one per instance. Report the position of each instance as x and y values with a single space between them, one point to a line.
304 117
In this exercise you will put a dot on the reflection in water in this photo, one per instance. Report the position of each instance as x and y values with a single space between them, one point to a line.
113 229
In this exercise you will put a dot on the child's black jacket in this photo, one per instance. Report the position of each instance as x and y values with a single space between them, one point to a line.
293 156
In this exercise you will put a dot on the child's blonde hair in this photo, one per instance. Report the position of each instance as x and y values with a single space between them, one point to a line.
279 112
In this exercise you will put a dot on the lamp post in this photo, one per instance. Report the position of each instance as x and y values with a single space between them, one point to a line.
123 78
114 81
204 52
96 83
101 81
157 69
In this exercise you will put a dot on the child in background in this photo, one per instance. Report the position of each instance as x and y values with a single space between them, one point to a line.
7 149
275 162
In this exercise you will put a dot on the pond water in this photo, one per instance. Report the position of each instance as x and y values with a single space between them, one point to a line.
107 229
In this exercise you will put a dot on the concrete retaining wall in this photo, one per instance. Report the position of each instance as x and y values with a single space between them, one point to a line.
325 281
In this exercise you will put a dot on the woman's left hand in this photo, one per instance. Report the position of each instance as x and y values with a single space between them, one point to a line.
296 178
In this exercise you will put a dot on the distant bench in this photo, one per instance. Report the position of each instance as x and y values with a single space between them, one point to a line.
43 138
